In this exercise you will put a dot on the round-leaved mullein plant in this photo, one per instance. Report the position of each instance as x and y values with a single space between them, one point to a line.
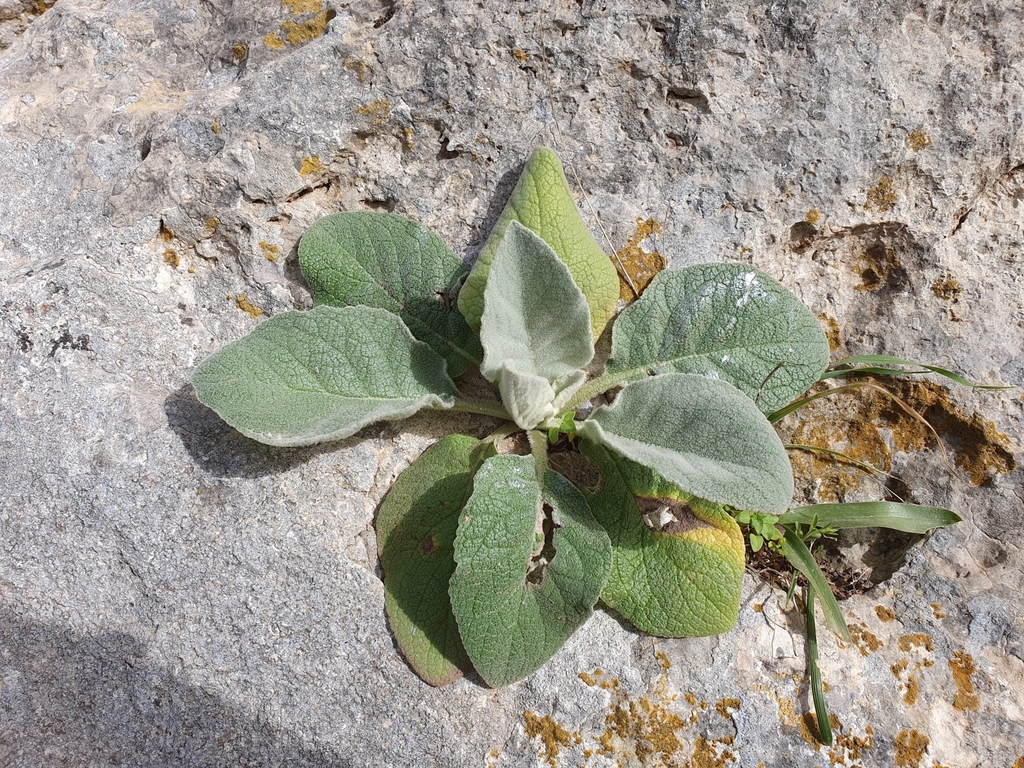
492 559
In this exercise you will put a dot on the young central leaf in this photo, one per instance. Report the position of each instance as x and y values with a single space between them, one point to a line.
542 202
509 624
682 580
535 329
387 261
727 321
308 377
702 434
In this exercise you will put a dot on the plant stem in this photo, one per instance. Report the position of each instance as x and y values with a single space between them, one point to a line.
483 407
602 384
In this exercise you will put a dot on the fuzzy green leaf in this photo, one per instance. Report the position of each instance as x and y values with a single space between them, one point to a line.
415 528
510 624
542 201
308 377
535 329
703 435
390 262
682 580
909 518
728 321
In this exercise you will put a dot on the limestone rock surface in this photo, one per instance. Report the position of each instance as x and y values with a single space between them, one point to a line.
174 594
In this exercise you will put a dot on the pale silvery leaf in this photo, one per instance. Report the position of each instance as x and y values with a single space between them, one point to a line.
308 377
535 330
702 434
535 318
531 399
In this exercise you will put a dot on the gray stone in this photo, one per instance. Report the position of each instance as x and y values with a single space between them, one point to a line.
174 594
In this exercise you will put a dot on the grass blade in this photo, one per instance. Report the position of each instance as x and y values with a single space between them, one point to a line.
800 556
881 365
909 518
817 691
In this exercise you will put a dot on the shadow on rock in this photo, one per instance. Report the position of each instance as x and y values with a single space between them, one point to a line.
221 450
71 699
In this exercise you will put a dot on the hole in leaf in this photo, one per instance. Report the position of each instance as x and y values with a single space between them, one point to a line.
546 552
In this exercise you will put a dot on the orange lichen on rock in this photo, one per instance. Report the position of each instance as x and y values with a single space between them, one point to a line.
910 749
727 706
918 140
551 734
297 33
378 110
884 614
171 257
813 216
270 250
311 164
243 303
962 666
916 640
866 642
883 196
638 264
302 6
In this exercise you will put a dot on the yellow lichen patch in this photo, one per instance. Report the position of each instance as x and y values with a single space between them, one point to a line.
297 33
551 734
706 754
273 41
587 678
946 287
883 196
917 640
1019 762
663 660
962 666
311 164
212 224
408 134
171 257
166 233
846 746
866 642
238 52
727 706
911 691
215 127
884 614
910 749
813 216
918 140
519 55
270 251
302 6
378 110
356 65
937 611
638 264
243 303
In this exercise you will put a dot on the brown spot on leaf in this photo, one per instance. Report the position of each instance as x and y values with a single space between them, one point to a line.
428 546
